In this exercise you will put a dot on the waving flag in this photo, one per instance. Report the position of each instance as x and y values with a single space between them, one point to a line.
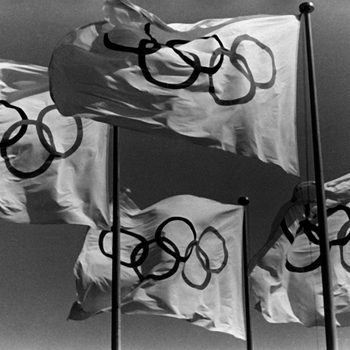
52 169
229 81
180 257
339 189
286 279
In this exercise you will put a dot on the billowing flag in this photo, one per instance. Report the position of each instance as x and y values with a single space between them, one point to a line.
180 257
52 169
286 278
339 189
229 81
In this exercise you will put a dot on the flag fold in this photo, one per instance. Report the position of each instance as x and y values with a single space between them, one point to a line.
180 257
286 273
52 169
231 81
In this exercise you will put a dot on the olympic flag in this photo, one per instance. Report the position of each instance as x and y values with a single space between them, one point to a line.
229 81
286 278
52 169
180 257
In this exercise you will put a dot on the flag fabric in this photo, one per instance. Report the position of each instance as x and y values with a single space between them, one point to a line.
286 275
339 189
231 81
180 257
52 169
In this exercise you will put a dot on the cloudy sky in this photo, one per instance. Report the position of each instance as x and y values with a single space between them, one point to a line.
37 282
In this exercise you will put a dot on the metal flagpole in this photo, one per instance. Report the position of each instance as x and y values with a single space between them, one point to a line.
330 324
244 201
116 314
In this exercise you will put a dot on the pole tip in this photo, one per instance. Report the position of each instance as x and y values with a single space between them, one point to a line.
126 190
243 201
306 7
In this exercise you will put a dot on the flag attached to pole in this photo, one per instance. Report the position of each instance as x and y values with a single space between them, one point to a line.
180 257
231 81
286 277
52 169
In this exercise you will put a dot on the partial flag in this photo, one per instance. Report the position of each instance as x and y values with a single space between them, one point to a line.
339 189
229 81
52 169
180 257
286 276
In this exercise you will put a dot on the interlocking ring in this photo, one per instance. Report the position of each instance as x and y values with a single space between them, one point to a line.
312 233
150 46
140 251
45 137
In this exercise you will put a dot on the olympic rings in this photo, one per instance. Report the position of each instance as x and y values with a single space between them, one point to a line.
47 142
342 239
141 250
237 60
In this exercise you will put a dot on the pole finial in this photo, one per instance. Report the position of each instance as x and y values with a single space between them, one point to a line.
306 7
243 201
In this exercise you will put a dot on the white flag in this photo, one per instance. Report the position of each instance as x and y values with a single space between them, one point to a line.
286 278
339 189
52 169
180 257
230 81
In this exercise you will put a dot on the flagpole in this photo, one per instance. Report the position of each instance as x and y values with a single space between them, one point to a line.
244 201
330 323
116 313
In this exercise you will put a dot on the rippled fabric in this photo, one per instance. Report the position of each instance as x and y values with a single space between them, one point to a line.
52 169
230 81
180 257
286 275
339 189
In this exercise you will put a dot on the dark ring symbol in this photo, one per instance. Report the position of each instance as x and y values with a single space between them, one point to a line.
3 151
47 141
247 73
344 236
101 245
208 70
207 278
51 147
174 268
160 240
200 252
136 50
205 261
308 228
342 239
237 60
22 129
146 73
265 48
299 269
144 245
244 68
169 247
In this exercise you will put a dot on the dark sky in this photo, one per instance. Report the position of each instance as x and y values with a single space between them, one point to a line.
36 262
